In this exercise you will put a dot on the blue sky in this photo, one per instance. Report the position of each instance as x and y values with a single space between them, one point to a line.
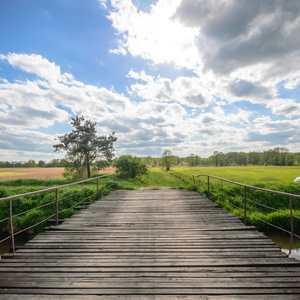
192 76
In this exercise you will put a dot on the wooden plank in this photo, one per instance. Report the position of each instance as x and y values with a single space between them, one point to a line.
152 297
271 276
153 283
162 292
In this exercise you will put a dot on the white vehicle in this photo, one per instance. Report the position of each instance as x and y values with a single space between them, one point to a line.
297 180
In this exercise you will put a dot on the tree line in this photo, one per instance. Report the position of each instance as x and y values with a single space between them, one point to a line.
32 163
277 157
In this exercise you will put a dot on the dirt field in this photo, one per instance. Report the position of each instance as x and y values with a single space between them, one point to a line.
34 173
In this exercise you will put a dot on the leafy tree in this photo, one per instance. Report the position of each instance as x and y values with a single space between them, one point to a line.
166 159
130 167
58 163
254 158
31 164
191 160
41 164
83 146
217 157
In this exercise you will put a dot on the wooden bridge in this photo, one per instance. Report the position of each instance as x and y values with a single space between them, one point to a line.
150 244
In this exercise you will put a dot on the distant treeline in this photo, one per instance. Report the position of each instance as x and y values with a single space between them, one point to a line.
32 164
277 157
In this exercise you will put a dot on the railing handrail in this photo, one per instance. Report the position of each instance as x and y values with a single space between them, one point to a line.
252 187
56 188
245 186
53 188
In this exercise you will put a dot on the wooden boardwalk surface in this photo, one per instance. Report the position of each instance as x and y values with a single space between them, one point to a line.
151 244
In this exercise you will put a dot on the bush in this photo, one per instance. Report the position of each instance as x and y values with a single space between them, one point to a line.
32 218
130 167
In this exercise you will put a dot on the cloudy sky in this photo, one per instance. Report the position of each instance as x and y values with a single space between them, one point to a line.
192 76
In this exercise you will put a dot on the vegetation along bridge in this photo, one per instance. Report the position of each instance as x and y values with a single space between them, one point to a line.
150 244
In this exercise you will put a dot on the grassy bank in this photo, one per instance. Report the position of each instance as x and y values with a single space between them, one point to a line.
68 197
272 178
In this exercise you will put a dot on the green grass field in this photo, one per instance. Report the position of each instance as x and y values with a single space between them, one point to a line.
4 174
246 174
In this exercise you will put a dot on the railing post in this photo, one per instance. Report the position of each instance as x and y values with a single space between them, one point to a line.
208 194
12 226
222 189
292 226
194 179
97 188
245 206
56 207
114 180
82 191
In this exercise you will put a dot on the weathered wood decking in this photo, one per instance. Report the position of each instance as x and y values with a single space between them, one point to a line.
152 244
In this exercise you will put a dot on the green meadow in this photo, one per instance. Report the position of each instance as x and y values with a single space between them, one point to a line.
250 175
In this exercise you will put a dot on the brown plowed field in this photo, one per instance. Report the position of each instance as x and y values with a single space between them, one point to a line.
35 173
30 173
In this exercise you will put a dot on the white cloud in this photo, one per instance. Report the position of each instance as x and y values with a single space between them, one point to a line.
286 107
20 139
155 35
268 133
103 3
35 104
35 64
188 91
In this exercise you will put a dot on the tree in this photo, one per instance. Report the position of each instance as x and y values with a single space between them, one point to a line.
283 155
166 159
130 167
191 160
253 158
83 146
41 164
31 163
217 157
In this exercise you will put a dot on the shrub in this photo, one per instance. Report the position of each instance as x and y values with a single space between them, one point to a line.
31 219
130 167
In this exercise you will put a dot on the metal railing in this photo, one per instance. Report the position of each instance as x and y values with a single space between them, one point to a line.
56 201
245 200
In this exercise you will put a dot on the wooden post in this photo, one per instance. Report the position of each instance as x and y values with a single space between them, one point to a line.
12 226
56 207
292 226
82 192
114 180
245 206
194 179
